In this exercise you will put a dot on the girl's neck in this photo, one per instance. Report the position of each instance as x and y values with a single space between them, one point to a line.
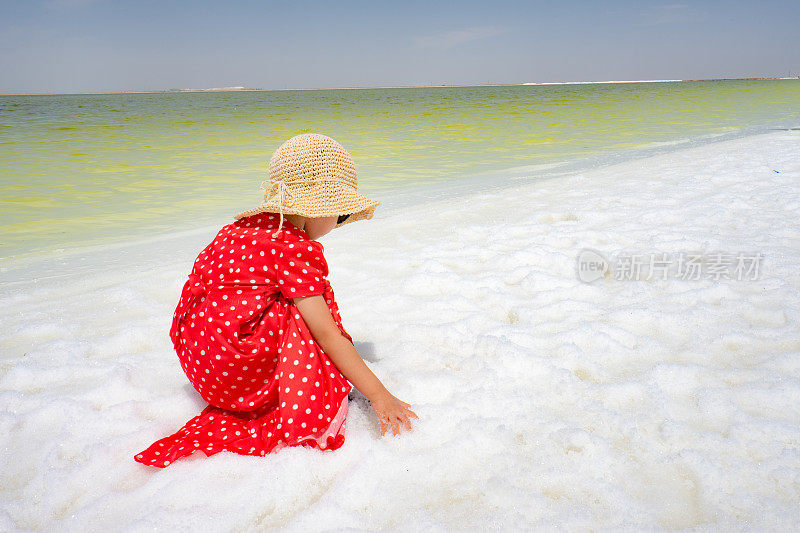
297 221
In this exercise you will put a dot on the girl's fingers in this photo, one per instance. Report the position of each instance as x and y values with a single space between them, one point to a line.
396 420
404 419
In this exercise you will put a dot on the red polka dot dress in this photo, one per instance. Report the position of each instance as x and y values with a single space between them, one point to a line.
247 351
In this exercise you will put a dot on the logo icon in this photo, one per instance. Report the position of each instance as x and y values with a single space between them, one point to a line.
592 265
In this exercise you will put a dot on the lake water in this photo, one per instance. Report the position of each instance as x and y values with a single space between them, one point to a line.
87 169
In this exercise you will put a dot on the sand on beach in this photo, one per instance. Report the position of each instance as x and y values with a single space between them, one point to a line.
544 400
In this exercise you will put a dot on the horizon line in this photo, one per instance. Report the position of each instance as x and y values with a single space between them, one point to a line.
252 89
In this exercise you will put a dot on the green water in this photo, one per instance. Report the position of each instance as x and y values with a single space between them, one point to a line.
83 169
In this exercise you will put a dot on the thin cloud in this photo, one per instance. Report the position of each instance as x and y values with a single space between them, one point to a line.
453 38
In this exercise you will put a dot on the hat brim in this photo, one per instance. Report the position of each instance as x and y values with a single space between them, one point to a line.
314 203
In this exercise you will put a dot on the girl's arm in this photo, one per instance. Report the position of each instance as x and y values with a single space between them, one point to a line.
318 318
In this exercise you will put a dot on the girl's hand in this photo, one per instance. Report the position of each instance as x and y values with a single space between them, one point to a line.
392 411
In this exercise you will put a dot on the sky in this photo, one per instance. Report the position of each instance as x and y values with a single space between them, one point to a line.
118 45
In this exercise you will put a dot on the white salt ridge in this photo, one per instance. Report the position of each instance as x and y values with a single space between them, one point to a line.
544 401
591 82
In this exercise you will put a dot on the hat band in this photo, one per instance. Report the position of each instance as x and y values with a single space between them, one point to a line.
278 188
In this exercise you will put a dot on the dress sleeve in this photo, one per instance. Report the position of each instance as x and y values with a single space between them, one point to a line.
302 270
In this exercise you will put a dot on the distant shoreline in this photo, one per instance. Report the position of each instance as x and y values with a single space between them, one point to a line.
251 89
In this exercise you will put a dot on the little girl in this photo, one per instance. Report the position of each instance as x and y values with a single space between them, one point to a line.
257 330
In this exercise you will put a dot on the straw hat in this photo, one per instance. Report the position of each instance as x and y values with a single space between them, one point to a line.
314 176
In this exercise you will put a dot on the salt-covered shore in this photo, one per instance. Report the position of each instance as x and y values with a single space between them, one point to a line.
544 401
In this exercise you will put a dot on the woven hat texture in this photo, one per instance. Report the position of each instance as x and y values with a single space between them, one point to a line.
312 175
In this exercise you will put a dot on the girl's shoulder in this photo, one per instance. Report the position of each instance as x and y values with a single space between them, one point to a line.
292 245
267 224
301 268
257 230
304 252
